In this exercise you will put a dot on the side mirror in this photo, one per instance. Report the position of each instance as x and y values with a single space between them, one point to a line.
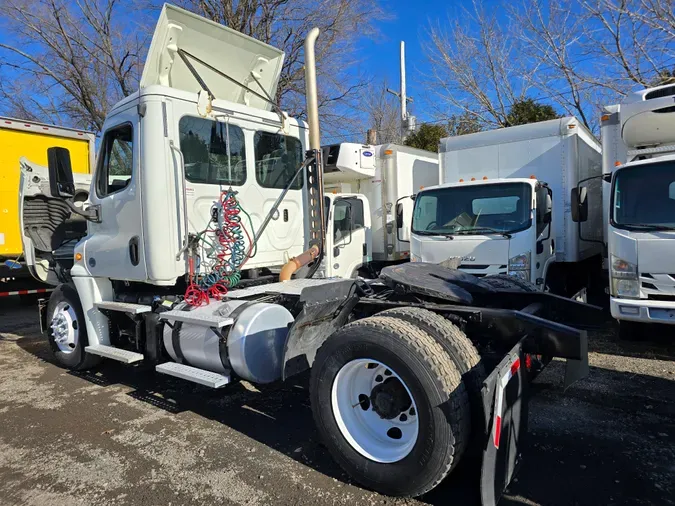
579 204
399 217
60 173
549 207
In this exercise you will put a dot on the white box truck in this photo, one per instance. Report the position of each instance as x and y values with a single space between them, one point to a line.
195 191
638 144
504 205
379 181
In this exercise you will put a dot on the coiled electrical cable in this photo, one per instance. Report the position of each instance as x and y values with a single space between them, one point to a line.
228 252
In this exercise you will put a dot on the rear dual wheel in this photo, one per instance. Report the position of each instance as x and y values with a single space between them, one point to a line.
390 405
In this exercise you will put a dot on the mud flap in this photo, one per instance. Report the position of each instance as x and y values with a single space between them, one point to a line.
505 399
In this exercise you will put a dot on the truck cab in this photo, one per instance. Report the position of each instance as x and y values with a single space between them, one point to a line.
639 153
170 151
386 176
500 226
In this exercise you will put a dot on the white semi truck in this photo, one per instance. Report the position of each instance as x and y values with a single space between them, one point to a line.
638 144
201 187
377 180
504 206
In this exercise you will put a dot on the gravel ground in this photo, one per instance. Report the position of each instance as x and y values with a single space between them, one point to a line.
123 436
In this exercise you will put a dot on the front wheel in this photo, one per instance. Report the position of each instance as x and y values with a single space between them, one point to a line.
67 331
390 405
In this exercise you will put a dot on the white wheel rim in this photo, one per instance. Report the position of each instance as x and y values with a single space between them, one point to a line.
376 437
65 327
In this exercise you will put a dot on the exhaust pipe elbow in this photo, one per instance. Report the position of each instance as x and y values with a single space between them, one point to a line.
295 263
311 90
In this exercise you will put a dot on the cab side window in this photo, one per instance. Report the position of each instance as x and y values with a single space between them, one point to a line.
277 159
347 216
116 161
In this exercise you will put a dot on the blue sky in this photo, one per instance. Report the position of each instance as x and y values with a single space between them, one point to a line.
410 21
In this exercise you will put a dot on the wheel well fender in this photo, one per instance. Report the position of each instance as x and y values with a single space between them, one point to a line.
324 309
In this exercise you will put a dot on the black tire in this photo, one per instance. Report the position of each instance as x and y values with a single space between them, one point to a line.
78 359
436 387
631 331
506 282
460 348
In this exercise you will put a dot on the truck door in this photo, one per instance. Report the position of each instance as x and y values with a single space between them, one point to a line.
114 248
348 230
544 252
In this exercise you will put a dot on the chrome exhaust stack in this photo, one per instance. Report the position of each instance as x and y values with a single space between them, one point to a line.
311 91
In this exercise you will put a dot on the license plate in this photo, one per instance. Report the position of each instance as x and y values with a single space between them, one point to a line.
662 314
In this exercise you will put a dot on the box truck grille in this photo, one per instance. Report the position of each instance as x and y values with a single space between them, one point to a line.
483 270
658 285
662 298
663 92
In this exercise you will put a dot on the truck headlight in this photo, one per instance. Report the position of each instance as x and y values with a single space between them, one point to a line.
415 258
624 276
519 266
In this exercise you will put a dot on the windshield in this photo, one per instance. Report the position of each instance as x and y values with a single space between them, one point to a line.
473 209
644 197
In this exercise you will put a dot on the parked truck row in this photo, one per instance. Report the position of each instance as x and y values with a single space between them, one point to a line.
202 185
547 204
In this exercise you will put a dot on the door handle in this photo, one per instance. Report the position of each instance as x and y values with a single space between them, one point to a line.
133 250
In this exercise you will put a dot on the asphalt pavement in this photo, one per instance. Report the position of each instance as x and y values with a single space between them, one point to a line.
124 436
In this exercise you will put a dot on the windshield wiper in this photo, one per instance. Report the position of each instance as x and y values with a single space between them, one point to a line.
647 226
491 230
428 232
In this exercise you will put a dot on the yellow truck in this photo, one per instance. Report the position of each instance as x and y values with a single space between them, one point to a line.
29 140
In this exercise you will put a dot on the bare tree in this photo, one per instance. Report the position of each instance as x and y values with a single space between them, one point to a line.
381 111
551 34
476 66
576 54
285 23
628 40
68 61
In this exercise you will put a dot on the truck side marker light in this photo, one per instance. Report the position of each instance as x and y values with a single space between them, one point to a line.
504 380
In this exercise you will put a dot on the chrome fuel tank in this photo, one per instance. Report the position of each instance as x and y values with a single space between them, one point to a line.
252 347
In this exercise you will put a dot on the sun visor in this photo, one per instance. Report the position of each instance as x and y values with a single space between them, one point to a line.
237 55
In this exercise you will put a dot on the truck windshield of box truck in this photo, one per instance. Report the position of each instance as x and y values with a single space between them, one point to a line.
473 209
643 197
